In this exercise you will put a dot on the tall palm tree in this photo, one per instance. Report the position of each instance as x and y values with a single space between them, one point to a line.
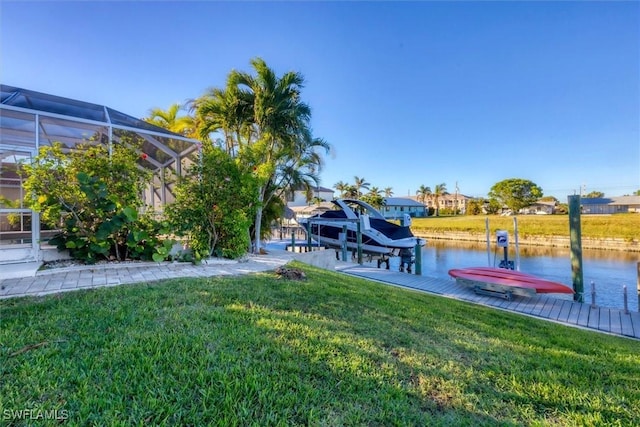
439 190
423 193
171 120
388 192
278 136
359 184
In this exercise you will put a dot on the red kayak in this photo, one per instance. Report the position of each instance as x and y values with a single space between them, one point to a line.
506 279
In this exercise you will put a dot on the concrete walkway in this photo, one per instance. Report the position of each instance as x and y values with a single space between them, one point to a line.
43 282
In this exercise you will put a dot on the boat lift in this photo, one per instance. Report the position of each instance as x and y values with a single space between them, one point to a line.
407 257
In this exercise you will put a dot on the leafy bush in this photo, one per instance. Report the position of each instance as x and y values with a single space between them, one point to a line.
94 197
214 206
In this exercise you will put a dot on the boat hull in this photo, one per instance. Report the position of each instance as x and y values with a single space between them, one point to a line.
328 234
503 280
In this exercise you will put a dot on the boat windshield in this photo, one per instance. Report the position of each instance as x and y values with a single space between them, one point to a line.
359 207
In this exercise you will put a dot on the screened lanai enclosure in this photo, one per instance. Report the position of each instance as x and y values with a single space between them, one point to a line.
30 120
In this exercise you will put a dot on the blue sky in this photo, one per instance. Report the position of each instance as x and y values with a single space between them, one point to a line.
407 93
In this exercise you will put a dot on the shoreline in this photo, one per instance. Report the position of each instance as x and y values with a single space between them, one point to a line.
614 244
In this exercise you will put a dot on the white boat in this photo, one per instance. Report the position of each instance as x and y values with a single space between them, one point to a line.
379 236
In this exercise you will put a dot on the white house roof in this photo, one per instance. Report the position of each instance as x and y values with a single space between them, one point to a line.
402 201
620 200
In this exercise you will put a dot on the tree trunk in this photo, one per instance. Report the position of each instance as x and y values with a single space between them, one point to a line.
256 247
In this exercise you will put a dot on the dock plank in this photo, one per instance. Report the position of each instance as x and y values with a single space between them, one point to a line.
626 325
574 314
539 306
604 320
635 322
583 317
555 309
550 304
565 311
615 322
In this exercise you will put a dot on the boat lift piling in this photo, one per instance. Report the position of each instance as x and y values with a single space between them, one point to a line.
515 235
575 237
486 223
638 284
418 255
359 239
343 245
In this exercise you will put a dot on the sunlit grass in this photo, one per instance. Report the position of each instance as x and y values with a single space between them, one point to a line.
624 226
331 350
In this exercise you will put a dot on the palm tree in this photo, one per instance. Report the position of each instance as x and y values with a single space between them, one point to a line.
169 119
388 192
227 111
440 190
375 191
278 136
423 193
360 183
351 192
341 187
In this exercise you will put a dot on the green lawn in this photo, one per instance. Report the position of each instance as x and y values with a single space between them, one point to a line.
624 226
331 350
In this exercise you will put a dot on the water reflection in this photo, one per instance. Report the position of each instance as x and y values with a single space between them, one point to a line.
609 270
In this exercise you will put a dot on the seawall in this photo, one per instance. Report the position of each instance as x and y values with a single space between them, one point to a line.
550 241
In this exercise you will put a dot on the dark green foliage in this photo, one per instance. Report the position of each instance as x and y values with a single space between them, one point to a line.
93 197
474 207
515 193
214 206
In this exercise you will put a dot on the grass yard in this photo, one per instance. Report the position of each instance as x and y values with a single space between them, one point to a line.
331 350
624 226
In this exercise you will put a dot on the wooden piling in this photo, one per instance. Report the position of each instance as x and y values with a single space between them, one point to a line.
418 254
575 236
359 240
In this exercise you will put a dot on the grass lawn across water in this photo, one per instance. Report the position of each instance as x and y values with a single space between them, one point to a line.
330 350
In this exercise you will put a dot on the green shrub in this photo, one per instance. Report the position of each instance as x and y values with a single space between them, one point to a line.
94 196
214 205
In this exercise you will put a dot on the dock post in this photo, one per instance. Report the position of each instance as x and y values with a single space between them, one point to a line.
515 234
575 237
418 253
293 241
486 222
624 296
308 236
359 238
344 243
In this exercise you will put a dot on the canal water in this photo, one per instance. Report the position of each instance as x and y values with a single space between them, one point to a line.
608 270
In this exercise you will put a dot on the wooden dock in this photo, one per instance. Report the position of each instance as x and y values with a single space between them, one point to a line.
565 311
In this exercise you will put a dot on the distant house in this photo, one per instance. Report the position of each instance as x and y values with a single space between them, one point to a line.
446 201
396 207
610 205
540 208
309 210
300 197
